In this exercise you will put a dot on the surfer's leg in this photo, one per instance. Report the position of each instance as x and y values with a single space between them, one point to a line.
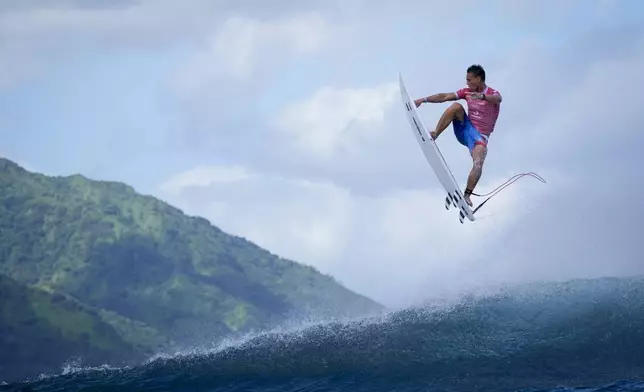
463 131
454 112
478 158
477 144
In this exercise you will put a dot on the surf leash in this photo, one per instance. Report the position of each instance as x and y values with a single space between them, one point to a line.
499 188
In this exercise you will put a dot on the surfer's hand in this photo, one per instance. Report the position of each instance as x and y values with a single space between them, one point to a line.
419 101
477 95
433 135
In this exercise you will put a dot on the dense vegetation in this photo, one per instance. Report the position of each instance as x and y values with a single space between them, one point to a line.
93 268
39 329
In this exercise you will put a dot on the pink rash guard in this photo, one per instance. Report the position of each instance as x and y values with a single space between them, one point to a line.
482 113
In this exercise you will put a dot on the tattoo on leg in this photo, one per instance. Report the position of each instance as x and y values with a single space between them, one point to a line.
478 158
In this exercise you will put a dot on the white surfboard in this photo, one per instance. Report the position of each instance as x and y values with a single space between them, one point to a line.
434 157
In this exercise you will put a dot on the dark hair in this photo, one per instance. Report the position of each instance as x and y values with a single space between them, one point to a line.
477 70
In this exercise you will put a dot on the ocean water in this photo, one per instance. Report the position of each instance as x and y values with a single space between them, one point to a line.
584 336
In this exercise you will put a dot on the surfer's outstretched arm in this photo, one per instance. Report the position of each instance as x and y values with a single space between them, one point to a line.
436 98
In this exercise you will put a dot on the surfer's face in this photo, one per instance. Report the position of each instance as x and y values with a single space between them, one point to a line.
473 81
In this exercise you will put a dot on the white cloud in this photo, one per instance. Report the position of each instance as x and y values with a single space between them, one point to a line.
228 82
374 244
203 176
38 37
132 22
336 120
562 110
242 46
295 217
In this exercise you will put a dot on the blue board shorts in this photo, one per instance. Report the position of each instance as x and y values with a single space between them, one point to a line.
467 134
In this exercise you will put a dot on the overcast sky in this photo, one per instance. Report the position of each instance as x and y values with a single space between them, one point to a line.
283 124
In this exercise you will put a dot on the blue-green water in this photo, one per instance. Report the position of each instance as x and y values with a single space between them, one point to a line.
586 336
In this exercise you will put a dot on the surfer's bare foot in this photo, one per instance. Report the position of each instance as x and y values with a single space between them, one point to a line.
466 196
467 200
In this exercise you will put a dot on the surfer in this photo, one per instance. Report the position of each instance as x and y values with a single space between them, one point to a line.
472 129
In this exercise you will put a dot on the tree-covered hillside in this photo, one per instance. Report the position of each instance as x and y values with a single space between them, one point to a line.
139 272
40 330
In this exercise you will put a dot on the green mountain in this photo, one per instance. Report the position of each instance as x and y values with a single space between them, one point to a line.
92 268
39 330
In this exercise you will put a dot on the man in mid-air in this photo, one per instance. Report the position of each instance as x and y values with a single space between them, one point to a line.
472 129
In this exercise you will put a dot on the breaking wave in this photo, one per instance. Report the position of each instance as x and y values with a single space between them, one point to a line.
580 334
